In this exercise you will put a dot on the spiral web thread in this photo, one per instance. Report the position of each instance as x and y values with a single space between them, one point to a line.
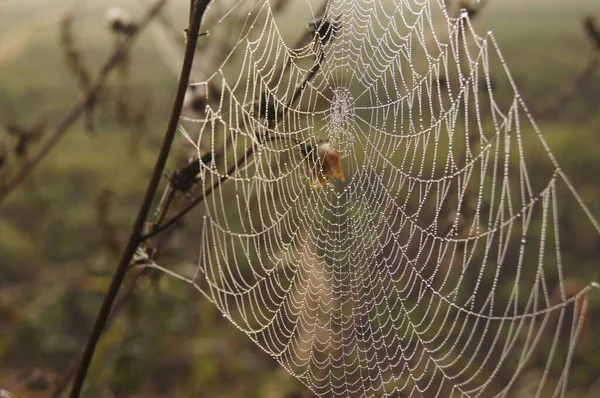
436 267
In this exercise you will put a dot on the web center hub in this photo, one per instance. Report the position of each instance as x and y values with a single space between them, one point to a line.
341 119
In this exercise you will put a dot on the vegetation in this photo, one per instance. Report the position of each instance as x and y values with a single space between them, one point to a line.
62 230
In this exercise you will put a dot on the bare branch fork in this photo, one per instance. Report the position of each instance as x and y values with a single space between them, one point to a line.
81 363
161 226
29 165
198 7
325 30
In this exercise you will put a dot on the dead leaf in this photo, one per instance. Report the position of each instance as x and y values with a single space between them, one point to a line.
325 165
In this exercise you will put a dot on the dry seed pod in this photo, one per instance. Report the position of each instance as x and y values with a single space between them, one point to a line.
120 21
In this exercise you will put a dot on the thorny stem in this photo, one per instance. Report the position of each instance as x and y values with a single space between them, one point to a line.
134 237
88 98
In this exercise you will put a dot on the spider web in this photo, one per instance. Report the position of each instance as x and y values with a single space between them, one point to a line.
375 221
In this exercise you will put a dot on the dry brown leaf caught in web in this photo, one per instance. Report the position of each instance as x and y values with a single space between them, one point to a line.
324 165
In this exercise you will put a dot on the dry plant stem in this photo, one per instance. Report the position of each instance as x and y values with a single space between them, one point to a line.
191 13
134 237
158 228
128 290
165 229
200 198
197 200
55 135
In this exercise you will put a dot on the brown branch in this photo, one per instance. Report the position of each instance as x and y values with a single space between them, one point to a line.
90 95
160 227
197 200
136 231
194 202
64 379
129 289
164 207
181 181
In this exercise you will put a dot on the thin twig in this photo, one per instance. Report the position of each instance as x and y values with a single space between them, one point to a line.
134 237
198 199
158 228
129 288
167 225
164 207
119 304
173 220
90 95
192 12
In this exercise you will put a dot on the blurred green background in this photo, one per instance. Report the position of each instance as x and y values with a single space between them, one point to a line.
60 232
